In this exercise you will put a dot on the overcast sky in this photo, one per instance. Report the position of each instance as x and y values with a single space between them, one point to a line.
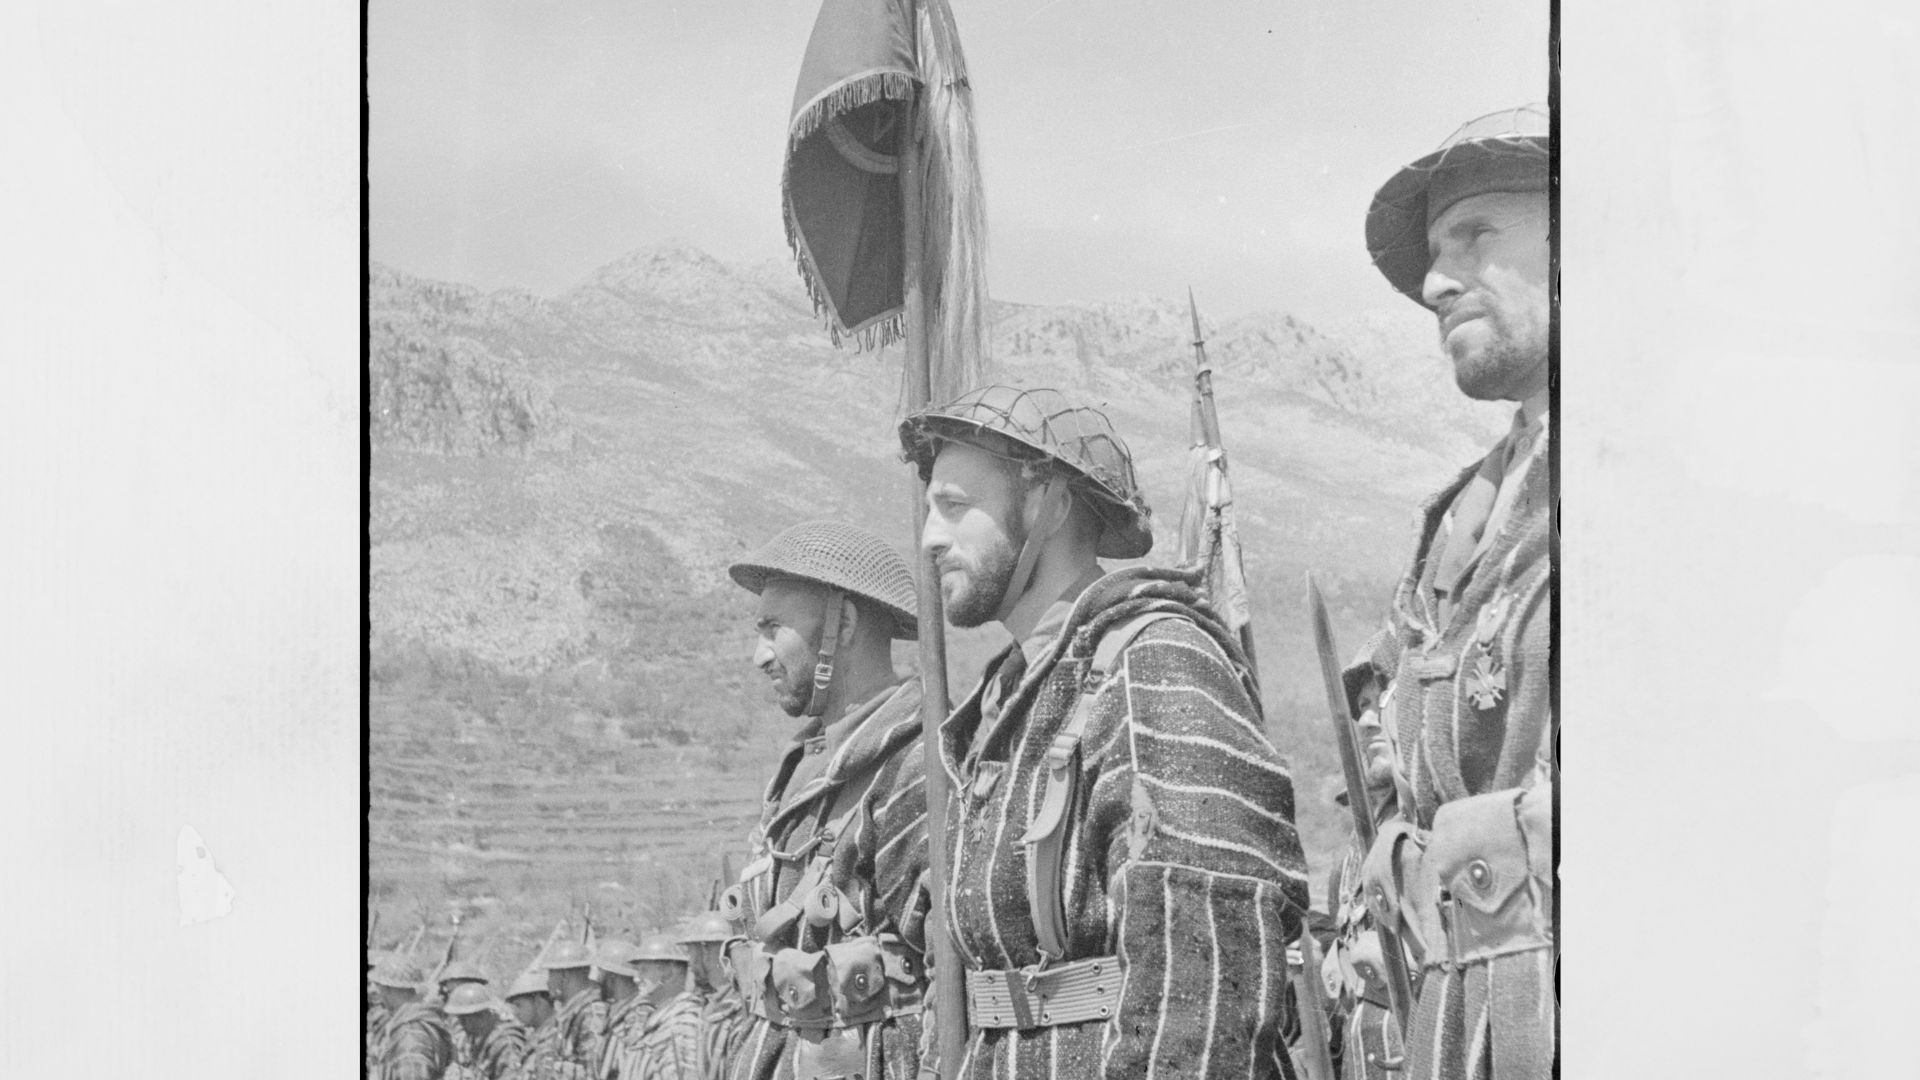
1126 147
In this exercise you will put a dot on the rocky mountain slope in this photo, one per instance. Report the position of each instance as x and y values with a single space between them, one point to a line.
558 484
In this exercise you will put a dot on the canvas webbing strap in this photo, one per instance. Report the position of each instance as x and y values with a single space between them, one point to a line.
829 643
1045 838
1053 513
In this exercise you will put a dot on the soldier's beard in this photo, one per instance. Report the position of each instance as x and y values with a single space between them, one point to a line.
1503 365
975 598
794 694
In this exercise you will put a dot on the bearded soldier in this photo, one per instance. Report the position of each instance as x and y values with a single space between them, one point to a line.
831 907
498 1045
723 1016
1124 875
532 1006
668 1047
580 1023
1464 872
414 1043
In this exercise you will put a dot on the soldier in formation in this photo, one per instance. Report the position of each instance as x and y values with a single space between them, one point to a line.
1125 876
498 1046
1353 970
830 910
532 1005
723 1016
455 974
580 1021
667 1044
413 1043
1463 871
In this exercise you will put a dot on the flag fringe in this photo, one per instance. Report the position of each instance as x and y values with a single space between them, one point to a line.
845 96
841 98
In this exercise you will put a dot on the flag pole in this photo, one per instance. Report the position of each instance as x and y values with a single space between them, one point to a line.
949 1001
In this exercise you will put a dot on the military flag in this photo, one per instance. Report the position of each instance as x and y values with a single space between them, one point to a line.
881 196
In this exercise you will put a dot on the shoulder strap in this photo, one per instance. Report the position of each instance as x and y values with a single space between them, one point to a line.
1045 838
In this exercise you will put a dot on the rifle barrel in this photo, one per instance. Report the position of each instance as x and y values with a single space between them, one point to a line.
1359 802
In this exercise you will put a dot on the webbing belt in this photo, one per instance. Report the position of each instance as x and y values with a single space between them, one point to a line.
1046 835
1036 997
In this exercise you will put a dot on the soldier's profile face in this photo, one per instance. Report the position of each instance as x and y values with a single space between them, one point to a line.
973 531
709 966
1487 283
531 1009
790 620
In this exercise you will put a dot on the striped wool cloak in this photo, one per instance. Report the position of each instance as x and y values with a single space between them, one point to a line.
723 1027
882 855
1470 712
1181 857
414 1044
501 1054
543 1050
580 1027
668 1041
620 1047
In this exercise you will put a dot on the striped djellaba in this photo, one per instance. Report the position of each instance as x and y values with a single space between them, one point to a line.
620 1049
1181 857
1470 711
723 1026
668 1043
881 855
580 1027
501 1054
543 1051
414 1045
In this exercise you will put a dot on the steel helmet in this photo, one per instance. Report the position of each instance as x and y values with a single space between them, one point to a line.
398 972
659 947
375 957
1502 151
567 954
615 957
708 926
528 982
839 556
462 971
1376 659
468 998
1042 425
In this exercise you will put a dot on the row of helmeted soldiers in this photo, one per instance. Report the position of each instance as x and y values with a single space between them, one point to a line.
660 1009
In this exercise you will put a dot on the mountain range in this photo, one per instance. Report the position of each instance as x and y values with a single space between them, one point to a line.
558 484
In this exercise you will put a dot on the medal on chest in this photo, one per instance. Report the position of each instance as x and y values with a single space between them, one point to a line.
1485 671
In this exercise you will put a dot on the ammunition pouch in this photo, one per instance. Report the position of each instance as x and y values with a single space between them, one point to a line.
859 981
1356 967
1480 885
1038 997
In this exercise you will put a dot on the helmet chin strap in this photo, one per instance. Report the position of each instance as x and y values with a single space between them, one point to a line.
829 643
1053 513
